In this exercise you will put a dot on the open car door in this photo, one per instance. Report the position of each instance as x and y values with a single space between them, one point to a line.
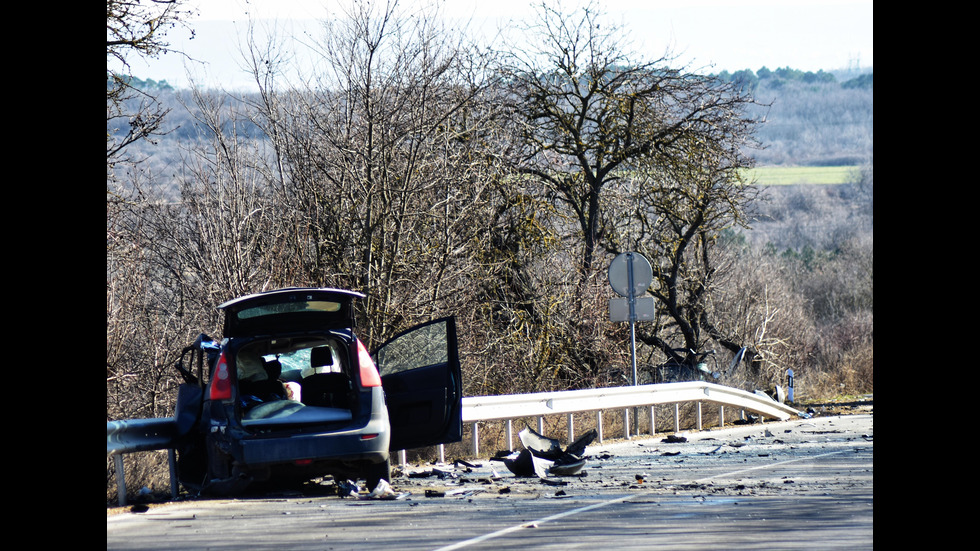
420 373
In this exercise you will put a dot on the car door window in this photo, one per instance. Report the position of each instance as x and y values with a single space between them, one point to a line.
423 346
420 373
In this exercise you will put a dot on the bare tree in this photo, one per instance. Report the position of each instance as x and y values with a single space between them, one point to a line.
640 155
134 28
380 161
594 114
675 215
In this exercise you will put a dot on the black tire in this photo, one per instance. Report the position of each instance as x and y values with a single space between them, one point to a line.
373 474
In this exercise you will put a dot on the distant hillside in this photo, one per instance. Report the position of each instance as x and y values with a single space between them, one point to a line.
816 119
811 119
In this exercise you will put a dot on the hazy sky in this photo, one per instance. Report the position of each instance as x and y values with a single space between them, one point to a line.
730 35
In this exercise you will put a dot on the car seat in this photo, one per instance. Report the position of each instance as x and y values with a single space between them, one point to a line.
327 387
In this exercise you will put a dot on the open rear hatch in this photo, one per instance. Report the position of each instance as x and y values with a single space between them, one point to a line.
289 310
292 373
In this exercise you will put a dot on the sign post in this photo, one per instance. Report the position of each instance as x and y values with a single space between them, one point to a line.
630 275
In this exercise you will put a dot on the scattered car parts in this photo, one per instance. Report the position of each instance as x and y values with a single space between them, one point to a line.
543 456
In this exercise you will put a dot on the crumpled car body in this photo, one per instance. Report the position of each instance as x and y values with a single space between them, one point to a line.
543 456
291 393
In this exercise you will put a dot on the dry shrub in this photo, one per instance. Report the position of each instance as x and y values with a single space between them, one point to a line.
758 307
143 470
845 358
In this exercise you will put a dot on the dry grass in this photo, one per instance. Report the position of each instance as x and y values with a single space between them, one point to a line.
143 470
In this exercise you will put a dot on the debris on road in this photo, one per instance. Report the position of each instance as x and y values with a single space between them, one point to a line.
571 468
526 464
750 419
463 492
553 482
384 491
543 456
442 474
347 488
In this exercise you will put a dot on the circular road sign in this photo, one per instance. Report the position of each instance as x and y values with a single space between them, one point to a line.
619 274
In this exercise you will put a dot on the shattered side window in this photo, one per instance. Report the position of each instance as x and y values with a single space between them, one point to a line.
422 347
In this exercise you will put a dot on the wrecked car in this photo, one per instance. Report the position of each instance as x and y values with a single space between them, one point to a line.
291 393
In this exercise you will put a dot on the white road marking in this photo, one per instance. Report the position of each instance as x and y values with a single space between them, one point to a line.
786 462
620 499
540 521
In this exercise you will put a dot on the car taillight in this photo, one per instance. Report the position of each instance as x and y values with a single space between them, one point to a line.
221 383
369 371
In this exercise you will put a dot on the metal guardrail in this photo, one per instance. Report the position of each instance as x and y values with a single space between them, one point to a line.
514 406
157 434
137 435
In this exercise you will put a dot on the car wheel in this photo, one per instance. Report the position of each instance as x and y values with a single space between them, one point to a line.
373 474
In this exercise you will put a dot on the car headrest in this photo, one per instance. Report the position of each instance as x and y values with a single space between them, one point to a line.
321 356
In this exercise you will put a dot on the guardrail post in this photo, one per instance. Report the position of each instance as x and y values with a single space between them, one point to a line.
402 457
442 453
571 429
677 417
598 424
172 460
541 424
626 423
476 440
653 422
120 479
699 415
510 435
721 417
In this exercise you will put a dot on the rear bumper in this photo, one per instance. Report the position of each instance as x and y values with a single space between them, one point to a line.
365 443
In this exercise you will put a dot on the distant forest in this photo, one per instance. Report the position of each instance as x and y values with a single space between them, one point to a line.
822 118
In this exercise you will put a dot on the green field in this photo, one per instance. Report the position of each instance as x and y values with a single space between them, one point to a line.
786 175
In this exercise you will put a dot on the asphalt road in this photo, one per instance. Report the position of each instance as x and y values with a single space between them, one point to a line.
800 484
